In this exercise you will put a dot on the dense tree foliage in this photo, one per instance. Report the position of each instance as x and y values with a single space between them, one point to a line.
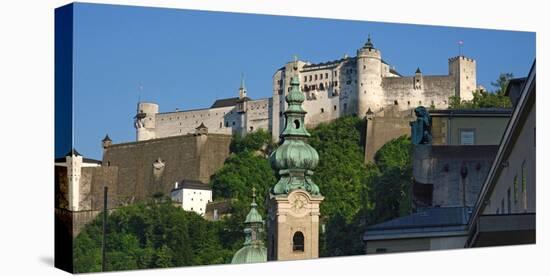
152 235
341 173
486 99
259 140
391 188
246 167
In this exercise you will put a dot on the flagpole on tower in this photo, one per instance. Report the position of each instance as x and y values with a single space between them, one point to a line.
140 92
460 43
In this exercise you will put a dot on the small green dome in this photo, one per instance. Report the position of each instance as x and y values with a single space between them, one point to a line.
254 253
294 154
253 216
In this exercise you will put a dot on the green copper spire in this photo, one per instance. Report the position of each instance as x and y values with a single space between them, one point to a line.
295 159
253 216
253 250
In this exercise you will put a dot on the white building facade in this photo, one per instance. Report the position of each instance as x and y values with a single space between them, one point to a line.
192 195
74 162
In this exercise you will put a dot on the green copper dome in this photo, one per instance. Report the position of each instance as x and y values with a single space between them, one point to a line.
295 154
295 159
253 250
250 254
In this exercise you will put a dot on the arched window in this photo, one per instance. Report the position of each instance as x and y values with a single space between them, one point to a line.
298 242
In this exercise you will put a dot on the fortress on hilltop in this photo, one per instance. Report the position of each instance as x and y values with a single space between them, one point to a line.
361 85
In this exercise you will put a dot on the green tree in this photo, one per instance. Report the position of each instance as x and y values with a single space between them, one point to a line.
391 188
502 82
341 173
486 99
150 235
246 167
259 140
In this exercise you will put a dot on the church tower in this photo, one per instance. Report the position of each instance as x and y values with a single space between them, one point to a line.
293 206
253 250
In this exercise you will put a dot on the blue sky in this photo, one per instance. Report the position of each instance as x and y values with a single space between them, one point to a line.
186 59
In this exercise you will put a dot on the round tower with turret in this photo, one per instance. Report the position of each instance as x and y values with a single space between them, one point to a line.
145 122
369 79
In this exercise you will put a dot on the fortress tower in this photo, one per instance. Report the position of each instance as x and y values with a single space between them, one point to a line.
463 70
369 79
145 122
293 223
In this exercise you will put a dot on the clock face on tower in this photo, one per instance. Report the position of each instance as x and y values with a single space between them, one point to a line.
298 203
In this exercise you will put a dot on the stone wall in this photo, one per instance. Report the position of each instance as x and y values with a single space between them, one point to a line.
153 166
435 90
450 176
217 120
258 115
92 182
385 126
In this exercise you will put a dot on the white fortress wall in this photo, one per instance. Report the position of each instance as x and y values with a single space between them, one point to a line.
258 115
217 120
434 89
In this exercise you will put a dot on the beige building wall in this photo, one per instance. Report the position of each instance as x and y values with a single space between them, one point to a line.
486 130
518 175
290 215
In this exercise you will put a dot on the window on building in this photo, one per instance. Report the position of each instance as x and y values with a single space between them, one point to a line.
321 76
233 123
334 108
309 77
298 242
221 124
467 136
226 124
395 102
251 128
524 186
315 76
509 201
335 73
322 110
326 75
502 205
305 78
516 189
